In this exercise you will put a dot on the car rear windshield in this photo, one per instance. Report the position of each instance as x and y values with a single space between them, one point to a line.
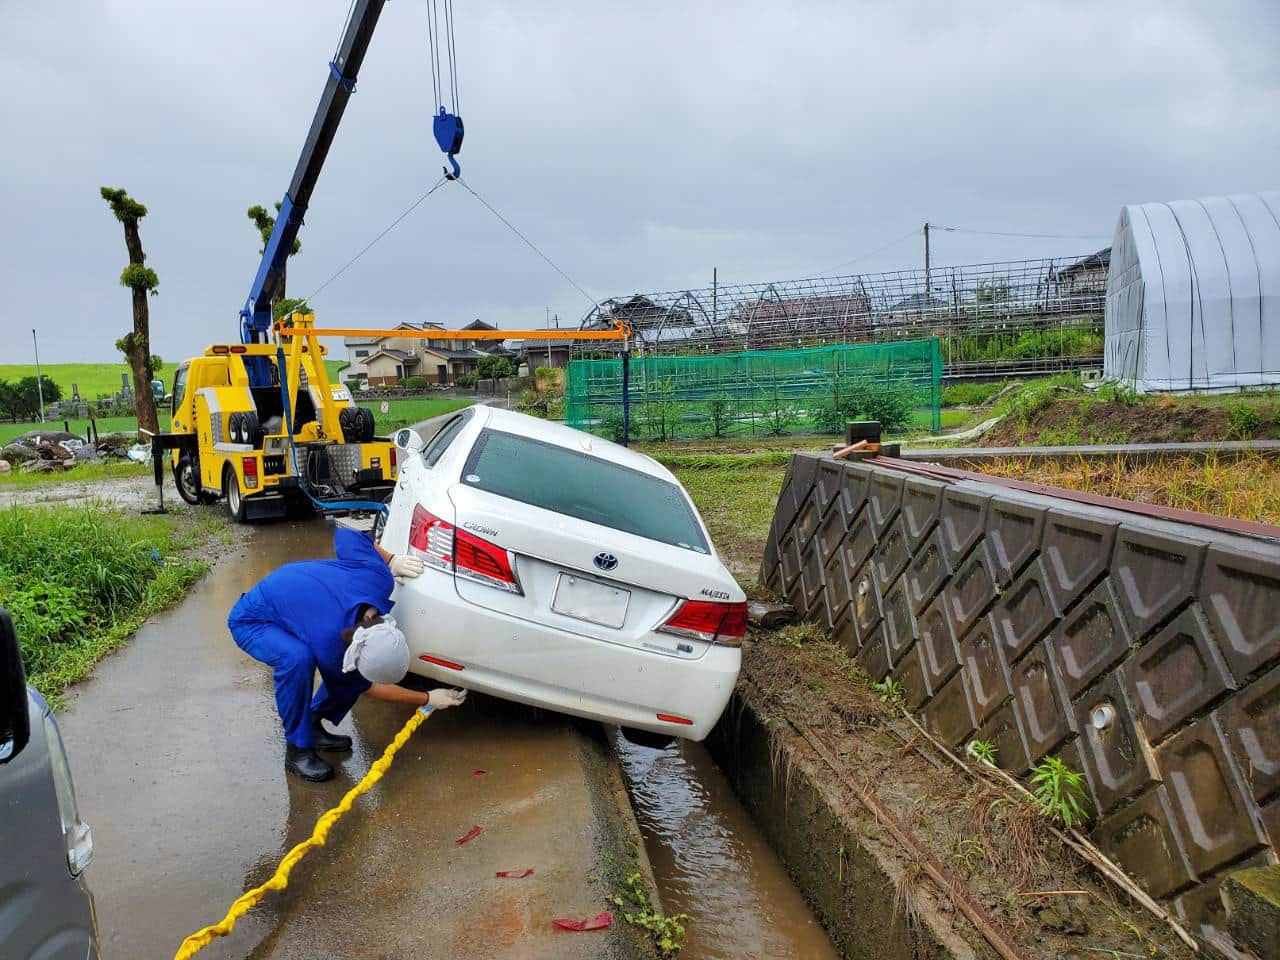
579 485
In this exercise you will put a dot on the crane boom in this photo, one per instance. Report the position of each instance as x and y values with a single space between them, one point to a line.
255 316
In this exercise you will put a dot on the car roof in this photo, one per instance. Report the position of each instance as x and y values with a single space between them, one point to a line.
559 435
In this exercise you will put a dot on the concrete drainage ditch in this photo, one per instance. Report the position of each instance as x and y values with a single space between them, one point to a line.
1143 651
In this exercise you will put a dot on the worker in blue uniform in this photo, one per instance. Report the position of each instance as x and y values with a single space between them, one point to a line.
330 616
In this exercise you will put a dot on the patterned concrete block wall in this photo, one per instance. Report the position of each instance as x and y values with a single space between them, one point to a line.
1143 652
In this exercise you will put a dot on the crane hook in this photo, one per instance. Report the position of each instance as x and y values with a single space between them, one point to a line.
448 131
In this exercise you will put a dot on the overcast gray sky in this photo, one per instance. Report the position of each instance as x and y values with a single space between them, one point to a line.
640 144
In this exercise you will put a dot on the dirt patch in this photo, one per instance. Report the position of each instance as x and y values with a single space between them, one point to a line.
1071 418
996 846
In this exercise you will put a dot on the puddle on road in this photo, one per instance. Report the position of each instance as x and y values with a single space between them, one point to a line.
711 861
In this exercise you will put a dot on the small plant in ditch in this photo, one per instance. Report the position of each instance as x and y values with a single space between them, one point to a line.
1059 792
632 899
890 691
798 635
983 751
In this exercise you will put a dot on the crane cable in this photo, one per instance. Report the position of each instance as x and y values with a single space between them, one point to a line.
368 246
280 879
435 40
531 245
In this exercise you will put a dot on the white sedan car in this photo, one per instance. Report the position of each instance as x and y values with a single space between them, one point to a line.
564 572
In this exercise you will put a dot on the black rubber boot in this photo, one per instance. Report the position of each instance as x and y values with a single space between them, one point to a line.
304 762
322 739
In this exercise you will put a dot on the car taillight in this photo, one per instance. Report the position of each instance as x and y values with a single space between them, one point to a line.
393 462
709 620
431 539
442 546
250 466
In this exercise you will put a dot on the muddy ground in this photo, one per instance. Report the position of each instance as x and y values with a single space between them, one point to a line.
178 760
998 849
1075 418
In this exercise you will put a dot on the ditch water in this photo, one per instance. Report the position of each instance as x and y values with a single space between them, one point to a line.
712 862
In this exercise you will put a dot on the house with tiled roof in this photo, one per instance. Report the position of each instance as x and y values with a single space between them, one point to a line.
385 361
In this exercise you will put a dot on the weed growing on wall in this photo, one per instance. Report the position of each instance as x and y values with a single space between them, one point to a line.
890 691
1059 792
983 751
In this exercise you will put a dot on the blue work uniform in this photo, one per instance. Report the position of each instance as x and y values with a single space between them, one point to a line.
293 621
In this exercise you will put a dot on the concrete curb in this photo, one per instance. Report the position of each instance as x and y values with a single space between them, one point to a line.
619 841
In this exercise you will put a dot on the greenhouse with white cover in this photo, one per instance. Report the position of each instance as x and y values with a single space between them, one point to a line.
1193 294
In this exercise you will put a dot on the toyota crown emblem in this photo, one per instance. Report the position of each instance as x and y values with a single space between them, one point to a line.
606 561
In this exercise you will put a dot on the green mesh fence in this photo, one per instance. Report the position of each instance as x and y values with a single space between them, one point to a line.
761 392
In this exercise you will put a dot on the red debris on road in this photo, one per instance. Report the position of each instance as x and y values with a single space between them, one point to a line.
479 773
469 835
599 922
514 874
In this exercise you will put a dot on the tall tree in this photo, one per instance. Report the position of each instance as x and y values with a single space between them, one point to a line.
266 223
141 281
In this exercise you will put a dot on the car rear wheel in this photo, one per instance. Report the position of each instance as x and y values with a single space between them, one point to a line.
646 738
235 499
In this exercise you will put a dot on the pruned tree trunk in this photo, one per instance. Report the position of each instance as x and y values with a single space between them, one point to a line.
137 345
141 281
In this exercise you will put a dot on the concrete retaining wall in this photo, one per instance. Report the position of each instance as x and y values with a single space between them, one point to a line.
1143 652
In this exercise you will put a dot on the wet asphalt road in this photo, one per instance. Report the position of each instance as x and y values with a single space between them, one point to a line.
178 760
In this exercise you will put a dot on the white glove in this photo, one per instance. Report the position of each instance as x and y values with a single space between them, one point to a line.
442 698
404 567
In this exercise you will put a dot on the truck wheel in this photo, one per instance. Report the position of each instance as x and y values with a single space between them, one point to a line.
367 426
186 477
251 430
235 499
349 421
234 429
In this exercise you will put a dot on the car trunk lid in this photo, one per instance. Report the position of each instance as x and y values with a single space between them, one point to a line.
585 578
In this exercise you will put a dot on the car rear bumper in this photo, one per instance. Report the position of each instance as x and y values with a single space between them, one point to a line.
543 667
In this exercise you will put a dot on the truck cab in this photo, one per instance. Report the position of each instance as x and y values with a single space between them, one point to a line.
261 427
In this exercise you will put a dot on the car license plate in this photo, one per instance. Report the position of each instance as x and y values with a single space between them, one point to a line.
590 600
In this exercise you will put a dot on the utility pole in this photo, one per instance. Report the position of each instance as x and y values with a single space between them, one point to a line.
39 381
926 263
715 294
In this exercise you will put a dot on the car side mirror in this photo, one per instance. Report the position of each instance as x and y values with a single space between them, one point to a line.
408 440
15 722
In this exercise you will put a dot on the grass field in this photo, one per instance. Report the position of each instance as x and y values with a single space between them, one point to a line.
99 379
402 413
83 473
736 495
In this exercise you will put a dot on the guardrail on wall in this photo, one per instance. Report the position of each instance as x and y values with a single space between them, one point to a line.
1140 650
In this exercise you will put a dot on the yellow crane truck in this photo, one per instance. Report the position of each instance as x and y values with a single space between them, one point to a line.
260 426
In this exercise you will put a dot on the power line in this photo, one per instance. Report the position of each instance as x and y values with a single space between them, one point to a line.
910 233
1031 236
394 223
532 246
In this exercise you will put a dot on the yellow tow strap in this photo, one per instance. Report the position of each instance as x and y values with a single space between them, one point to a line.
247 901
